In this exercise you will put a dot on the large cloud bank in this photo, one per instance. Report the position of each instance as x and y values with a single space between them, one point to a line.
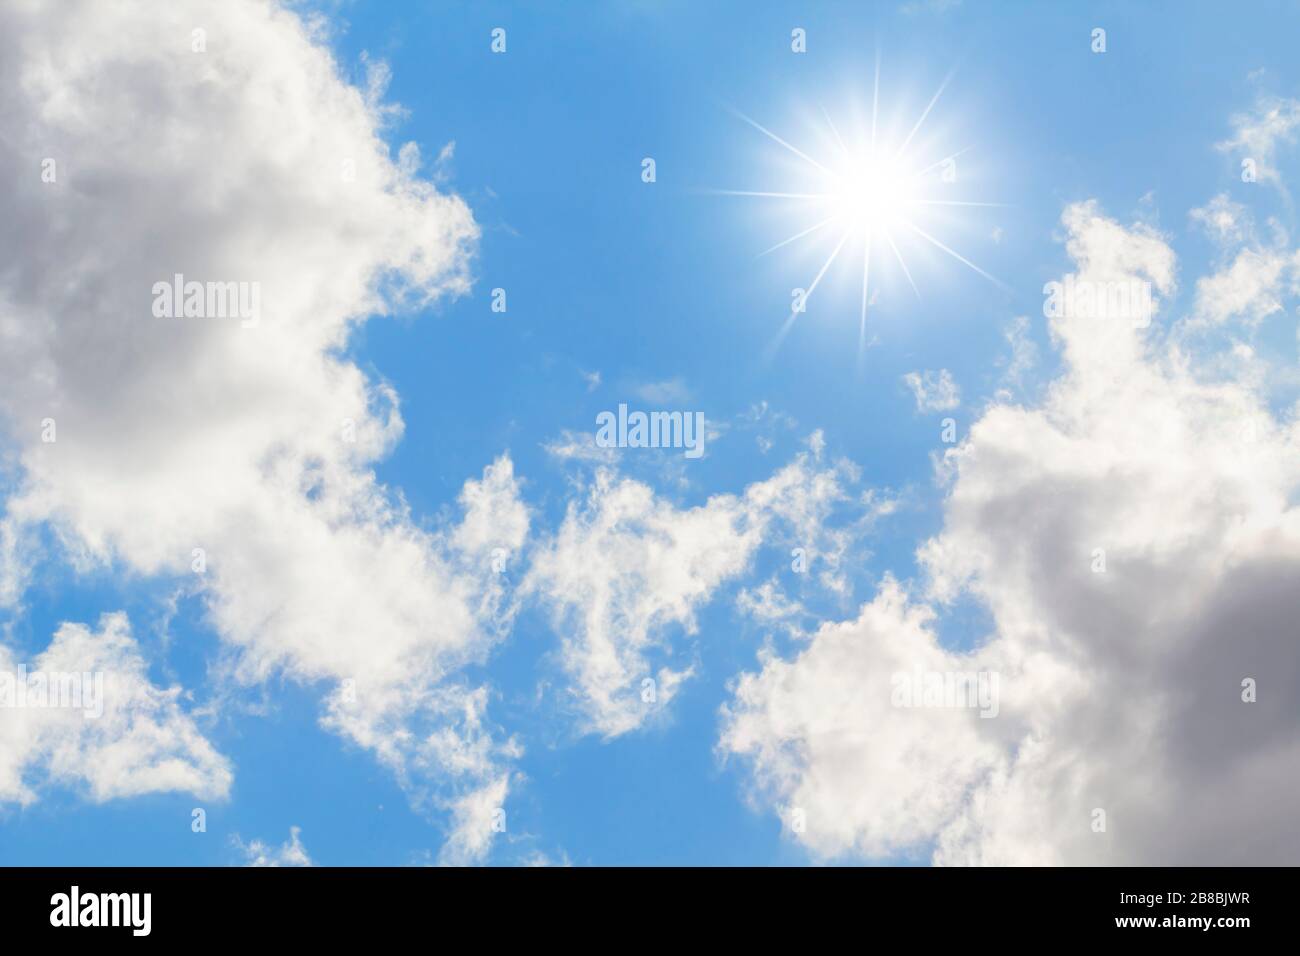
1136 539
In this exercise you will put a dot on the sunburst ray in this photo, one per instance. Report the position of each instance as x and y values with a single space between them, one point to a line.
870 194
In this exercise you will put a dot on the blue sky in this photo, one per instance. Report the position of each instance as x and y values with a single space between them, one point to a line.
659 288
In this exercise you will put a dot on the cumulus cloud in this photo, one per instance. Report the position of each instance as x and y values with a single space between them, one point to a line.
1136 543
124 737
251 161
831 751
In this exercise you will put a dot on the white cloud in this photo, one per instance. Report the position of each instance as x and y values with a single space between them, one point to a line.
292 853
1120 690
624 568
1257 134
823 738
142 742
1249 285
176 434
581 447
474 819
768 604
1022 359
933 391
628 570
1225 221
767 424
1250 288
1108 256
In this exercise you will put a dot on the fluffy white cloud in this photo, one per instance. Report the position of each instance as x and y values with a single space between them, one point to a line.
112 734
1251 287
1136 541
1250 284
252 161
848 770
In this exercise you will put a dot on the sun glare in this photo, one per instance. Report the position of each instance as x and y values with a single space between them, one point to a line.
871 190
871 198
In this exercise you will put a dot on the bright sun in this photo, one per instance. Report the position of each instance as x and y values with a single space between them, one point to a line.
871 190
868 196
